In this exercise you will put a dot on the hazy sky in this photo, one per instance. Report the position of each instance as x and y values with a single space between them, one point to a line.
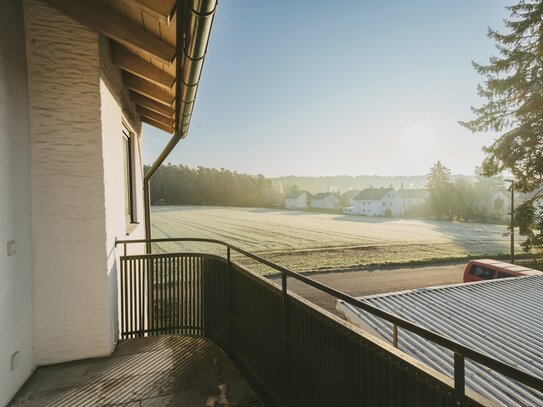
320 87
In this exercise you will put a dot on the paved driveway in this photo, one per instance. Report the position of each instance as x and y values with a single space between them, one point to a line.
376 281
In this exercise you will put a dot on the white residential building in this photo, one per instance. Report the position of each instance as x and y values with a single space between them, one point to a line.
413 198
500 204
296 200
325 200
347 199
376 201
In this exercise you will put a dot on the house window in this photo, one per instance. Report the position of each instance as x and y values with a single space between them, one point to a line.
128 166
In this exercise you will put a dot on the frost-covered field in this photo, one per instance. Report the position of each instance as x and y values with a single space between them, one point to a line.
306 241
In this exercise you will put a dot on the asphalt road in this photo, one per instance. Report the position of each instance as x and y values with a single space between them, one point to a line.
375 281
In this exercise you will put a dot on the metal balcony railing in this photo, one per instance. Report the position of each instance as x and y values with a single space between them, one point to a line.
292 352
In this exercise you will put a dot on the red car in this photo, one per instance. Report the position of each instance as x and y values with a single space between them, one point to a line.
487 269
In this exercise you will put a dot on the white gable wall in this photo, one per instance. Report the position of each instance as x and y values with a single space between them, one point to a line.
391 200
298 203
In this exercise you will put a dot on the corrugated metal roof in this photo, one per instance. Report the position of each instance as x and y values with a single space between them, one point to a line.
502 318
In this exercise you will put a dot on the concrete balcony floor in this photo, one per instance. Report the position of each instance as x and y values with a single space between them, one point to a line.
169 370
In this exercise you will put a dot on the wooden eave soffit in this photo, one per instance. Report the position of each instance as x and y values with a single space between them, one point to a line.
101 18
162 10
152 89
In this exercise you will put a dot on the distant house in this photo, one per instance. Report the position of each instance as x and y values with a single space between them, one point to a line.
348 197
326 200
537 203
413 197
500 204
296 200
376 201
496 204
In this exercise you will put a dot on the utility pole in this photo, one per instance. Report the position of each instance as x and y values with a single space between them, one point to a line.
512 224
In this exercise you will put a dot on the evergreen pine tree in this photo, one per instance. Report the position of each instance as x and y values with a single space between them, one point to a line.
513 90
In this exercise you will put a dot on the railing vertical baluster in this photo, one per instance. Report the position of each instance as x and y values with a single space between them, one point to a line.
194 295
163 292
135 288
285 338
134 305
172 291
140 299
151 321
123 296
131 298
170 295
229 327
185 262
166 285
143 296
200 303
191 294
191 289
176 282
459 379
156 270
197 304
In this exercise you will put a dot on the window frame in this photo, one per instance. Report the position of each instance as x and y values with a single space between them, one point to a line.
128 170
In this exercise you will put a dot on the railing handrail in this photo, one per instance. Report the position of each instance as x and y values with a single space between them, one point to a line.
459 349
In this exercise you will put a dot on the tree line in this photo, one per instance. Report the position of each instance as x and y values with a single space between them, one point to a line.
183 185
461 199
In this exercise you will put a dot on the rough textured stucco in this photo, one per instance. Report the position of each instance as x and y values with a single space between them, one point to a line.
16 285
116 108
75 122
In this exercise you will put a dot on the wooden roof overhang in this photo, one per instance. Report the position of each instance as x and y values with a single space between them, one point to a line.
148 47
160 46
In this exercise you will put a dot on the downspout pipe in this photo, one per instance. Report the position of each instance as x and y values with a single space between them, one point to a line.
194 19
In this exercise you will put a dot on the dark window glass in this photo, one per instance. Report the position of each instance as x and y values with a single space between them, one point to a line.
128 178
482 272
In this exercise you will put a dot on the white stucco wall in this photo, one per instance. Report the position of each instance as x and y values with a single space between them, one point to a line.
369 208
117 109
395 202
298 203
77 110
16 283
391 200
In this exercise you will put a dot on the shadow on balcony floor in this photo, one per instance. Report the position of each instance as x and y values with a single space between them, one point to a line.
169 370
